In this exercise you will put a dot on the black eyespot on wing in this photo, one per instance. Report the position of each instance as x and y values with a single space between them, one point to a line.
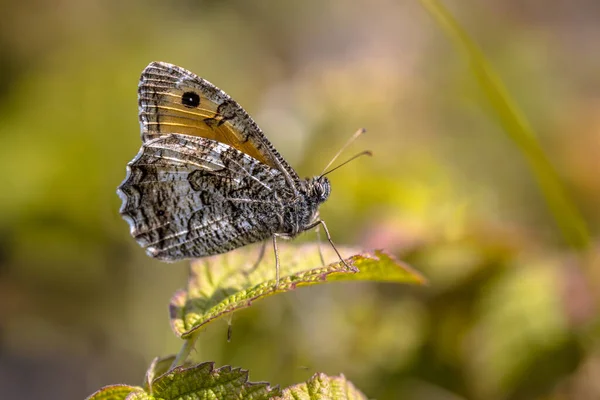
190 99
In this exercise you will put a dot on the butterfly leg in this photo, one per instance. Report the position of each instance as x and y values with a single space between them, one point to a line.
261 254
321 222
276 260
318 232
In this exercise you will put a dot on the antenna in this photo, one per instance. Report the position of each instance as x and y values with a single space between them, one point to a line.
362 153
352 139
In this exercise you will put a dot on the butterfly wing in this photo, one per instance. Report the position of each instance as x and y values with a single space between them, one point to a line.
187 197
174 100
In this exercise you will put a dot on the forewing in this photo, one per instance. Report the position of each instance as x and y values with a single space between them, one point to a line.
186 197
174 100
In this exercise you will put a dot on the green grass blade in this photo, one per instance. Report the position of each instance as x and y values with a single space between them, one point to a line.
516 126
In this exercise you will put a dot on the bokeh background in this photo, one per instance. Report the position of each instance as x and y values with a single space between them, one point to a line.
511 310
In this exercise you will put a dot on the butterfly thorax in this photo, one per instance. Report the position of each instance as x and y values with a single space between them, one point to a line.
302 212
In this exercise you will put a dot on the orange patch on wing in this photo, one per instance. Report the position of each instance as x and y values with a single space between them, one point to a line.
202 121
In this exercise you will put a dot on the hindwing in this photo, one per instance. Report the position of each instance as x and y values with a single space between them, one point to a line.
188 197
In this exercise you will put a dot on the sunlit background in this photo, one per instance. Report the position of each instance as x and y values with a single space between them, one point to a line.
511 310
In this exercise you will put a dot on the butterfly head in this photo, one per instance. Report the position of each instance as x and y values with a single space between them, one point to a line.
319 189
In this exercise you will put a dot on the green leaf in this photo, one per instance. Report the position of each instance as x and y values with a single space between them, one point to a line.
201 381
323 387
115 392
517 128
223 284
157 367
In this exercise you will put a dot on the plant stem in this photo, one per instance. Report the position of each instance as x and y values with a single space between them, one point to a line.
184 352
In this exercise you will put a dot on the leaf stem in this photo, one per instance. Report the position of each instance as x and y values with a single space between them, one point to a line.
184 352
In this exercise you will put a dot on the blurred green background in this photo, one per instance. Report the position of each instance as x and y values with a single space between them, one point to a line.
511 311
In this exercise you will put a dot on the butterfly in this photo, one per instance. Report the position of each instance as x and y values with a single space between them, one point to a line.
206 179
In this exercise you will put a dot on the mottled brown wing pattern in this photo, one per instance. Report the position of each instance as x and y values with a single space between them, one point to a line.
187 197
206 180
174 100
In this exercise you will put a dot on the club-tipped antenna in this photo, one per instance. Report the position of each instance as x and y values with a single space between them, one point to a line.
352 139
362 153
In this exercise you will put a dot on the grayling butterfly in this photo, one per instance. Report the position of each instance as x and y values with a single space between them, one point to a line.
206 179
